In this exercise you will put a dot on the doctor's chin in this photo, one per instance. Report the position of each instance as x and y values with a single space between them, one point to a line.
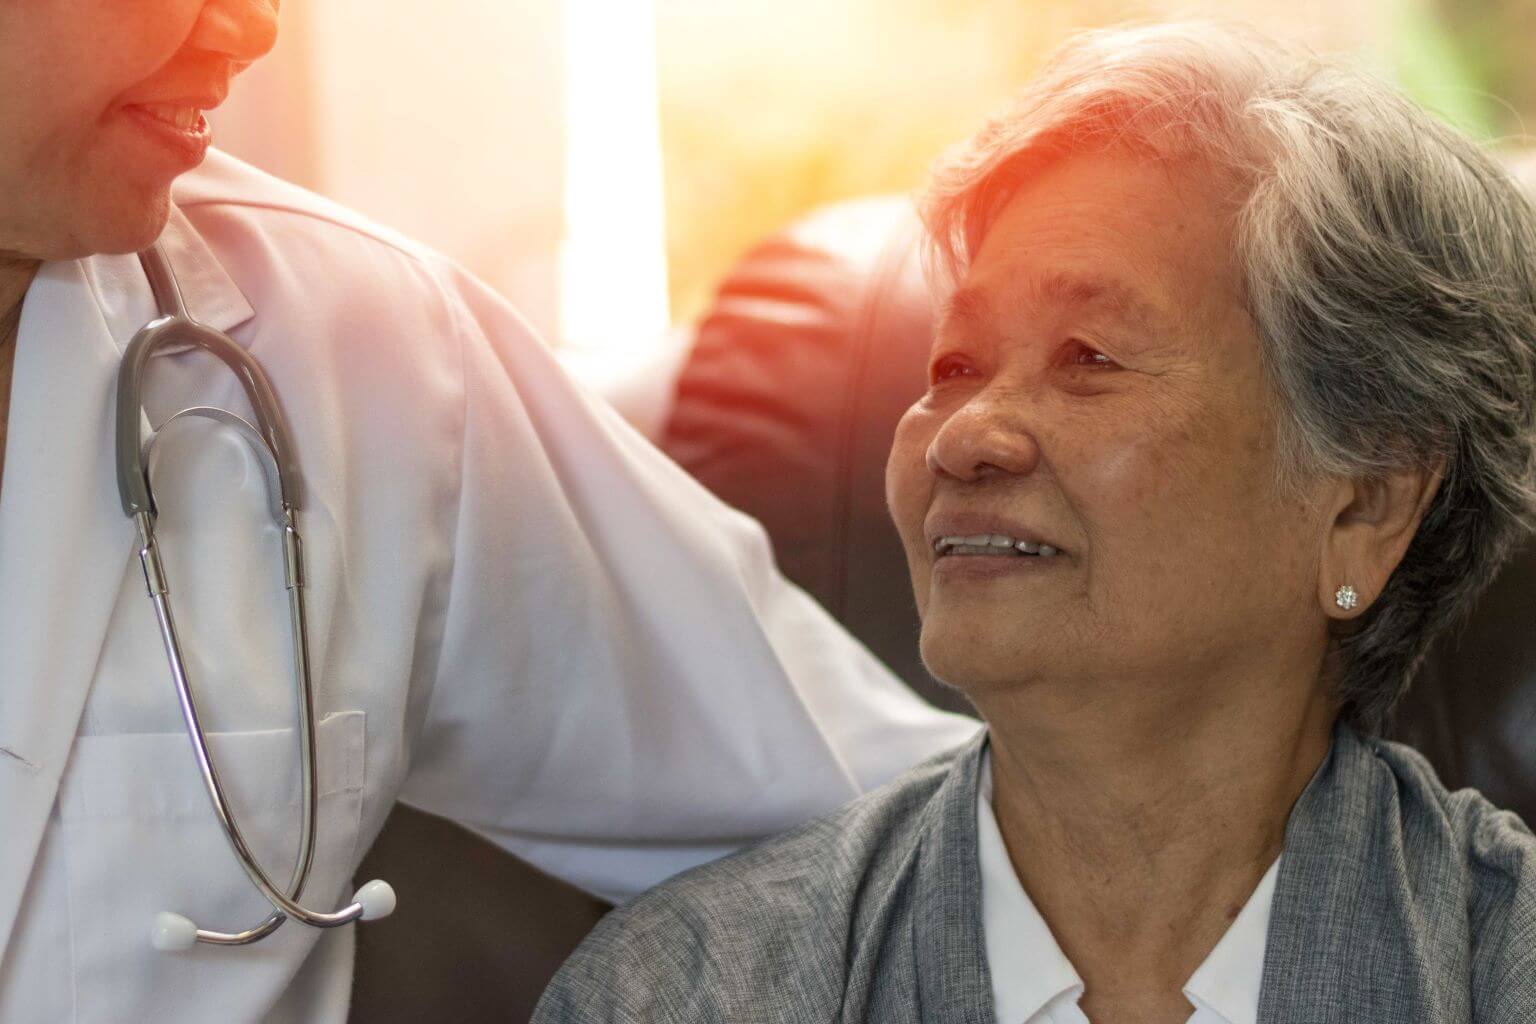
1065 564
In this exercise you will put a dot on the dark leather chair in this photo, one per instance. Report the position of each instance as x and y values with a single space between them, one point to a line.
477 935
814 346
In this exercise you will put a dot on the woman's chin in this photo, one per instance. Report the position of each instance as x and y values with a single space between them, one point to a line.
977 664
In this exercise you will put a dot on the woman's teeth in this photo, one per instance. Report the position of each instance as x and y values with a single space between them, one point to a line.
990 544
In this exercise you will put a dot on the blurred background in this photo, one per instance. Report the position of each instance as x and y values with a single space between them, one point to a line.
603 162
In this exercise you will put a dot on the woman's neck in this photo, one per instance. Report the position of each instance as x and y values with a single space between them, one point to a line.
1140 823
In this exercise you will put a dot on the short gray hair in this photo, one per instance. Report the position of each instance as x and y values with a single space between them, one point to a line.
1388 265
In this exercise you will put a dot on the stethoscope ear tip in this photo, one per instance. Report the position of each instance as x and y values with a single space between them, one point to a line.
173 933
377 898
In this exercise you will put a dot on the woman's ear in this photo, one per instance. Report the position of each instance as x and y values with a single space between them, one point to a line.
1373 521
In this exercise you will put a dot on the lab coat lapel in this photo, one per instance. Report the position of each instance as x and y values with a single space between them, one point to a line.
64 541
210 294
64 546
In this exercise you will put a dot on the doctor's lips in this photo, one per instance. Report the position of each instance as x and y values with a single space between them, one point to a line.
957 536
177 123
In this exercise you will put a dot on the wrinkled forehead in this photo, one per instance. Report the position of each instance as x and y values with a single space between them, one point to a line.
972 308
1104 236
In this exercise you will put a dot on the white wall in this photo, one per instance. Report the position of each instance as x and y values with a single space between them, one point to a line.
450 122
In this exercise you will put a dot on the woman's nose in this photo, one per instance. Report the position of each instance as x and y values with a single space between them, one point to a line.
985 437
242 30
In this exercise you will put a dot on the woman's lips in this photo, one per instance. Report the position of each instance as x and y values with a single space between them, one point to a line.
984 567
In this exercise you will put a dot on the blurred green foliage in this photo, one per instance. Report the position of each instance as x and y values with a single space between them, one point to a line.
1494 47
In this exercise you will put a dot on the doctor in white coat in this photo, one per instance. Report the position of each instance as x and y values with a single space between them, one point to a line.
522 617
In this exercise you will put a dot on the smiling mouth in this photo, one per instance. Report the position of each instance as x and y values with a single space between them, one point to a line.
179 117
180 131
990 545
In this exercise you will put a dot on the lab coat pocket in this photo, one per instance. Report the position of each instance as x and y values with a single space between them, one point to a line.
140 836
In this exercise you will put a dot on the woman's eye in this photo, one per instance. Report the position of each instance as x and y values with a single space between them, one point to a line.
1081 355
947 367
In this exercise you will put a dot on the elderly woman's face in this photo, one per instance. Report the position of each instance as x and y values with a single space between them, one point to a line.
1096 385
92 93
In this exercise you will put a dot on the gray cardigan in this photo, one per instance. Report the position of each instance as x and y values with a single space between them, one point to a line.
1397 901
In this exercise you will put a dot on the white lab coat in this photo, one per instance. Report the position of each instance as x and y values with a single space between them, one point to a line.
522 618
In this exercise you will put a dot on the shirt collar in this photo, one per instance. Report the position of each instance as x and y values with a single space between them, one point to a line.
1226 985
1015 932
122 291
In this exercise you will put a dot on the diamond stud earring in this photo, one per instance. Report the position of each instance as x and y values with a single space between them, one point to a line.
1345 597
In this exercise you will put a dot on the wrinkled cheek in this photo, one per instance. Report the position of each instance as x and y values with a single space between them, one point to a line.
907 480
1133 474
1150 511
1139 484
908 490
1169 468
1191 517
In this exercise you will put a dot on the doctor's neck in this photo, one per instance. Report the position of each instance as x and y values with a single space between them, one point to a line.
15 278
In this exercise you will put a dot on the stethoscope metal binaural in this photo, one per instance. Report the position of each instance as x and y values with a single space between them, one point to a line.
270 441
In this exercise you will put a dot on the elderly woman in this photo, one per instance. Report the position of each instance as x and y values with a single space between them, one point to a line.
1230 413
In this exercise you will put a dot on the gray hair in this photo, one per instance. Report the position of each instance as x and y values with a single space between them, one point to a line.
1388 265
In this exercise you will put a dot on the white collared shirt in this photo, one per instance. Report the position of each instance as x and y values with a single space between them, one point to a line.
1223 990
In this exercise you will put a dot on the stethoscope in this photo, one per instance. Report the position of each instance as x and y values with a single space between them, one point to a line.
269 439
